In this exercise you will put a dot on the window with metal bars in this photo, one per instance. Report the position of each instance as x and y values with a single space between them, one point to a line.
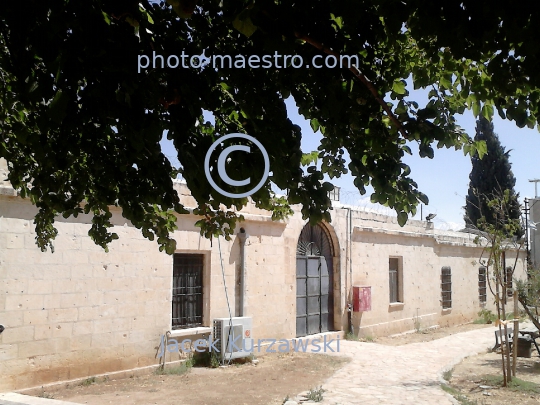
187 293
395 280
482 285
508 281
446 287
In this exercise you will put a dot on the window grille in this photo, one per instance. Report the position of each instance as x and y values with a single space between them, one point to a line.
482 284
187 293
508 281
446 287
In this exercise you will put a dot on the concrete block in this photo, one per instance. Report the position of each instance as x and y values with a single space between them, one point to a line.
43 332
74 257
101 340
74 300
12 319
36 317
39 286
80 343
87 313
8 351
62 330
15 225
14 241
51 301
63 315
22 302
37 348
82 328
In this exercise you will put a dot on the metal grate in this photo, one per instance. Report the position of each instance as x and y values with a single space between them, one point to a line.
482 284
315 241
446 287
508 281
314 281
393 266
187 294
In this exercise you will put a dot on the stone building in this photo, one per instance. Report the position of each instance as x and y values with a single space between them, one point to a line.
534 229
80 312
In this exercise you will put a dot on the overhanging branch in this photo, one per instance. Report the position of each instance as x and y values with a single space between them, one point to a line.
360 76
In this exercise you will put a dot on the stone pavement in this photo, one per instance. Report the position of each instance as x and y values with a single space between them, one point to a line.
12 398
395 375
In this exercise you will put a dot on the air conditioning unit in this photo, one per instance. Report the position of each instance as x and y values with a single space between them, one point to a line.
233 337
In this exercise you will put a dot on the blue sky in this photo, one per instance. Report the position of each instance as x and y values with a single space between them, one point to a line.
445 178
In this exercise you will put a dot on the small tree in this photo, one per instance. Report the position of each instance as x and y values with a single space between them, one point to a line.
529 295
495 241
490 174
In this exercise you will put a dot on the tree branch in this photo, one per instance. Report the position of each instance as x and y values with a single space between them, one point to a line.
360 77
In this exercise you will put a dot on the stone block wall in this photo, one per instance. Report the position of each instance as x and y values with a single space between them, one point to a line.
79 311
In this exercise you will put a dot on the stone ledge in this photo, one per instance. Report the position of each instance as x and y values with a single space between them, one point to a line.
8 190
439 239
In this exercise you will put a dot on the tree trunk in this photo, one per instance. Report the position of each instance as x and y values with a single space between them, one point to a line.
516 333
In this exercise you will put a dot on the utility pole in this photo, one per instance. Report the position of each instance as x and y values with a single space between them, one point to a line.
535 181
527 233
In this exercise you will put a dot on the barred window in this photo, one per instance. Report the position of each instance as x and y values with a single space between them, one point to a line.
446 287
395 275
508 281
482 284
187 293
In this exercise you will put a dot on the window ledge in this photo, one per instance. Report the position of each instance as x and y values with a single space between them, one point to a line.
201 330
394 306
446 310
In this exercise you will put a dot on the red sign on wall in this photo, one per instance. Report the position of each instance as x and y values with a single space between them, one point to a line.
361 299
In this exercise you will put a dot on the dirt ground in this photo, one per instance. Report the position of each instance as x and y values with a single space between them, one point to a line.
470 379
275 377
427 335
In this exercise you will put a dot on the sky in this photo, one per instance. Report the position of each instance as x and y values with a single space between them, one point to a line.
445 178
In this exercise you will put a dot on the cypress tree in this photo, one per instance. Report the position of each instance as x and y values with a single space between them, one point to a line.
489 177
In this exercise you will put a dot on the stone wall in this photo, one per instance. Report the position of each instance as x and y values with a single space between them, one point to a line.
80 311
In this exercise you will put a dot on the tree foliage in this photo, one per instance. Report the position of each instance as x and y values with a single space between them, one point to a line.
81 127
496 244
489 176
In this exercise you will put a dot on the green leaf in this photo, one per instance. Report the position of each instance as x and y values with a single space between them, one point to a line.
481 148
337 20
476 108
106 17
314 122
399 87
402 218
308 158
243 23
487 111
57 108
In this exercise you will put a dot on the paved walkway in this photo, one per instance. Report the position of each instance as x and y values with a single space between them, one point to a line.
395 375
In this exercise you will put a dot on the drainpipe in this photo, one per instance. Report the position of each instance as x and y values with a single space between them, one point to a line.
350 260
348 285
242 236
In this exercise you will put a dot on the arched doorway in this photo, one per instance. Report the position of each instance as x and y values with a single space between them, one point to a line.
314 281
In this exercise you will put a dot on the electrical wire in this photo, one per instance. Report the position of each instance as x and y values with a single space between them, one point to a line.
228 304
